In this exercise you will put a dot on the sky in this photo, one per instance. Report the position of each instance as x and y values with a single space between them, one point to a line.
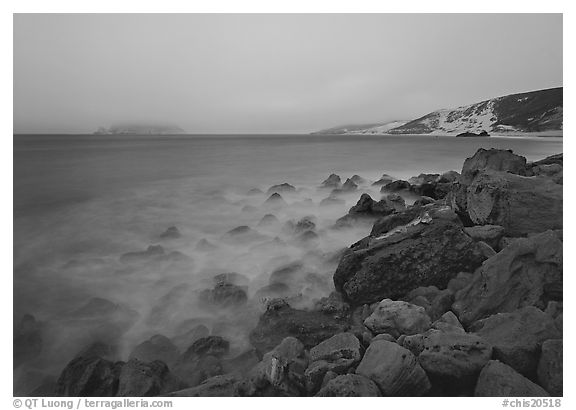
270 73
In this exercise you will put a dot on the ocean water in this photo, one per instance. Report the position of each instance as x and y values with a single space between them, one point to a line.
80 202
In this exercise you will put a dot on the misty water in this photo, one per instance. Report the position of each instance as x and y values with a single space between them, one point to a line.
81 202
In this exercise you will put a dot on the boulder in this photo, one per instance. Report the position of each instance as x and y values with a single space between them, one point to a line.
280 188
171 232
394 369
281 320
429 250
349 185
275 200
243 234
89 377
140 379
202 360
268 220
396 186
526 273
499 380
384 179
186 338
349 385
333 181
212 345
398 318
550 367
448 323
436 302
493 160
453 359
280 373
491 234
341 346
137 257
224 295
517 337
217 386
358 180
367 208
158 347
231 278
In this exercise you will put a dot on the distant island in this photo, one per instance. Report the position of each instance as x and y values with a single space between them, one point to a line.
139 129
515 114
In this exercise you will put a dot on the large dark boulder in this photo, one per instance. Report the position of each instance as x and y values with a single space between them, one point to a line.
492 160
284 187
142 379
550 367
429 250
281 320
158 347
202 360
368 209
517 337
499 380
350 385
333 181
89 377
224 295
526 273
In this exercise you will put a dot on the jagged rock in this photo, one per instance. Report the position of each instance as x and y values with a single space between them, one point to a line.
395 186
202 360
275 200
349 385
140 379
358 180
268 220
449 177
425 200
135 257
216 386
99 349
521 205
493 160
281 320
453 359
366 207
158 347
171 233
384 179
204 245
89 377
243 234
333 181
550 367
448 323
398 318
27 340
394 369
349 185
284 187
491 234
341 351
526 273
207 346
517 337
428 250
242 363
224 295
333 304
280 373
498 380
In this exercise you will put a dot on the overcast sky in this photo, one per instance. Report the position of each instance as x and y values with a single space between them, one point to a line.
271 73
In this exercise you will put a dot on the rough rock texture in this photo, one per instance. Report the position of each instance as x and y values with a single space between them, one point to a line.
517 337
550 367
453 359
429 250
158 347
280 373
89 377
521 205
349 385
281 320
367 208
140 379
217 386
492 159
333 181
398 318
224 295
491 234
202 360
394 369
526 273
499 380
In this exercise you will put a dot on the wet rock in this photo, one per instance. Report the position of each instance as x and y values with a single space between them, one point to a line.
171 233
349 385
425 200
281 188
186 338
396 186
517 337
452 360
231 278
137 257
491 234
526 273
333 181
550 367
242 363
207 346
492 160
334 304
398 318
273 291
358 180
498 380
202 360
140 379
158 347
281 320
268 220
394 369
275 200
89 377
280 373
216 386
384 179
27 340
224 295
287 274
429 250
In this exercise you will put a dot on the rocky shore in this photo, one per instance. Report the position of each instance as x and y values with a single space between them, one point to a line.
458 293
